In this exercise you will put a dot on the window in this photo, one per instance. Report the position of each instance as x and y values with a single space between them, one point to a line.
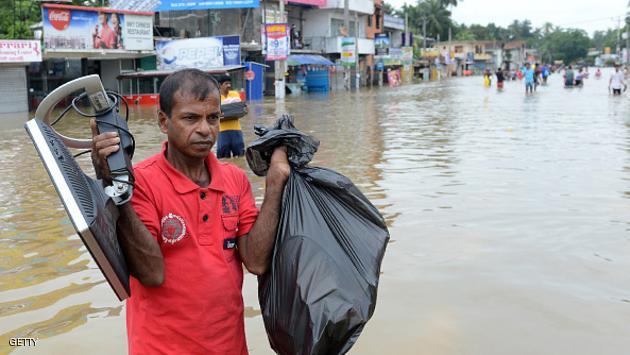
478 49
336 25
378 21
369 21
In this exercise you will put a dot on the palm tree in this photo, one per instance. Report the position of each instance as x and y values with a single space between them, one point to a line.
447 3
438 18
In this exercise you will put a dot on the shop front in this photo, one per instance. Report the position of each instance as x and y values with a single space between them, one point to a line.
15 57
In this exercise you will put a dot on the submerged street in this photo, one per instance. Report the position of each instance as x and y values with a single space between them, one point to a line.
508 215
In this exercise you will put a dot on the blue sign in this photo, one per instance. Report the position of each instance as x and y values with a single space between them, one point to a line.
200 53
231 50
175 5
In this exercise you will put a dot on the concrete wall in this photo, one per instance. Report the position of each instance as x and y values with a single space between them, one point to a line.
365 7
317 24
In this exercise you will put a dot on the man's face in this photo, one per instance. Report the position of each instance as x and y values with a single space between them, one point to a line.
226 87
193 126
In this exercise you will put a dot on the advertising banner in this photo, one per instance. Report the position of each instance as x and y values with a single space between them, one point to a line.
348 51
200 53
85 29
277 40
20 51
407 55
381 44
174 5
318 3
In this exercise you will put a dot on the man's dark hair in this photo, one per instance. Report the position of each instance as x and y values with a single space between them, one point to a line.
186 81
224 78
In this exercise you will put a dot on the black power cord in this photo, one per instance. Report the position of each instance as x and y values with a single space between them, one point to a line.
116 100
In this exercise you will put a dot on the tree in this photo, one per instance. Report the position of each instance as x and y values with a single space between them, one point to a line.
438 18
568 45
388 9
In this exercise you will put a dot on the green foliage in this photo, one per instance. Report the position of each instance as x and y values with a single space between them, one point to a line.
568 45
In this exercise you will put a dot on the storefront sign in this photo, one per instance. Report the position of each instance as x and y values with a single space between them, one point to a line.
277 40
348 51
318 3
200 53
90 29
394 22
20 51
407 55
381 44
174 5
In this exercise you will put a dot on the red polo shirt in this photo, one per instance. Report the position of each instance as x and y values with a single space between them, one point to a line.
199 307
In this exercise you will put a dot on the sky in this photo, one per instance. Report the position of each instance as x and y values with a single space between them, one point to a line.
589 15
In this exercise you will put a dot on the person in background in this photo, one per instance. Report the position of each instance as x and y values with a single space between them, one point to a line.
568 77
529 78
545 74
579 78
500 79
231 141
598 74
616 82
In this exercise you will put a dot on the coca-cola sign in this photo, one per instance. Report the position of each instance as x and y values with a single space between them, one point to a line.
59 19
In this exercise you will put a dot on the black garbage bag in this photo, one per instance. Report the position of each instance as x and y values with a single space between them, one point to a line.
321 288
234 111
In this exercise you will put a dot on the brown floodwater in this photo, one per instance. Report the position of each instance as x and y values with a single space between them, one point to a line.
508 215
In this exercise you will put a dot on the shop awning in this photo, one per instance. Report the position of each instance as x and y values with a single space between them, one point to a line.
152 73
308 59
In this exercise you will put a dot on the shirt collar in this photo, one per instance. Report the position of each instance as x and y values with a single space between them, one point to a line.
182 183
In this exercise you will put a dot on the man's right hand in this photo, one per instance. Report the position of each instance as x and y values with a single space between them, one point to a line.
102 146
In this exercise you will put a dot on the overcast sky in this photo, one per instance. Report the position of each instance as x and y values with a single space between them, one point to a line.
590 15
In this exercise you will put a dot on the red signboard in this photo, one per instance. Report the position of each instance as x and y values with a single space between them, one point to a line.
59 19
318 3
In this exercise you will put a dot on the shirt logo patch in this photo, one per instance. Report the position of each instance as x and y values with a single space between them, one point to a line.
173 228
229 204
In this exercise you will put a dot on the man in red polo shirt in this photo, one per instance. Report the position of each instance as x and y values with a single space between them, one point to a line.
191 222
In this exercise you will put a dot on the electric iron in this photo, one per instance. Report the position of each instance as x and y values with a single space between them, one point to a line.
90 206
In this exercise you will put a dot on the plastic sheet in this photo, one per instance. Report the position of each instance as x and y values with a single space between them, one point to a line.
234 111
322 285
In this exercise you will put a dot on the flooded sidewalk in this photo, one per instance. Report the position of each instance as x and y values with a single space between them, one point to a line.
508 215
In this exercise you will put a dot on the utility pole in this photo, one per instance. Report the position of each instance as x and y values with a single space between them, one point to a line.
619 37
448 65
356 48
628 35
424 35
346 24
279 64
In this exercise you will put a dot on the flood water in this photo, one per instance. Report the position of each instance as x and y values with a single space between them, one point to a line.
508 215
